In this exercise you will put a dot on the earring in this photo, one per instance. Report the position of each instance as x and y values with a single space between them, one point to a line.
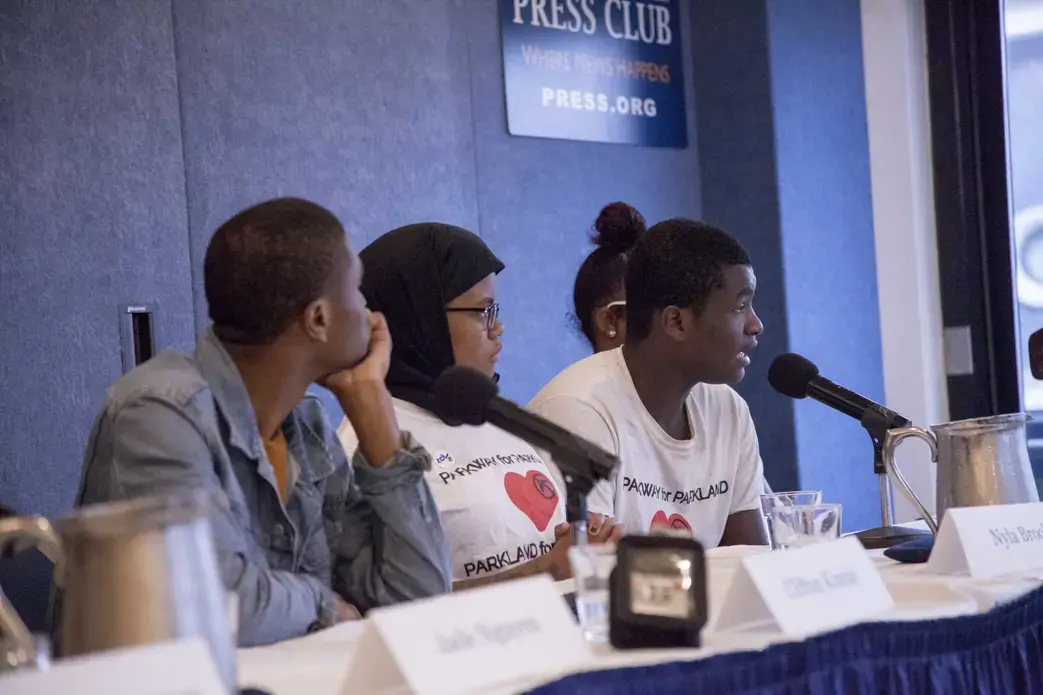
611 332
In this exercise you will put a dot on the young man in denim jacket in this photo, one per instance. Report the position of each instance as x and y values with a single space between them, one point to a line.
302 536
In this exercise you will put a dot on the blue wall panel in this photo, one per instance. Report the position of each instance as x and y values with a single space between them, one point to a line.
361 106
740 194
826 215
784 164
92 214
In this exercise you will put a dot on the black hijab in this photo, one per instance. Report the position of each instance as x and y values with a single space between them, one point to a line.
410 275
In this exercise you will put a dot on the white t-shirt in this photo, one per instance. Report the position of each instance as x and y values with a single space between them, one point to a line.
691 485
498 499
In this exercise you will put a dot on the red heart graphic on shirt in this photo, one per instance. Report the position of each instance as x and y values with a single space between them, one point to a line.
534 494
676 522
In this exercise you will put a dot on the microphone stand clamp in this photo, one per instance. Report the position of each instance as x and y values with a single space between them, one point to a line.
886 535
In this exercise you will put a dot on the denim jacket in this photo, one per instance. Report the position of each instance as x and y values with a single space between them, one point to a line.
372 534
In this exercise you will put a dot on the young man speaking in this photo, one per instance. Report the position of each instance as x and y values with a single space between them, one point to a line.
661 403
301 535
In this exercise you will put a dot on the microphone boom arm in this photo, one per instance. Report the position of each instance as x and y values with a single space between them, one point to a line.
581 462
877 423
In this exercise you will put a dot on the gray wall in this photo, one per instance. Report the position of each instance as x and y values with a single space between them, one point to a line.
131 129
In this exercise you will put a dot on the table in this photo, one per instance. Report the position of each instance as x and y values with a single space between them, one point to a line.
317 664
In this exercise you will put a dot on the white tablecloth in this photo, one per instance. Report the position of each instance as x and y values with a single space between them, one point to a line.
319 663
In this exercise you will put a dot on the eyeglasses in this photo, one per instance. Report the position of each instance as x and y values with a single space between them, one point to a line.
490 313
622 303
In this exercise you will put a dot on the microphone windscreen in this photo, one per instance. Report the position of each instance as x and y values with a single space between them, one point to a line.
462 396
789 374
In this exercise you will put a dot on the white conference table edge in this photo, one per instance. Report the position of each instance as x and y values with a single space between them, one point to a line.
318 664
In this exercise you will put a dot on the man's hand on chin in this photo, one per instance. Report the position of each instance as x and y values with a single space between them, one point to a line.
365 399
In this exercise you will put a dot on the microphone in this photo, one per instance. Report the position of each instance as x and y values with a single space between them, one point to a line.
464 396
797 377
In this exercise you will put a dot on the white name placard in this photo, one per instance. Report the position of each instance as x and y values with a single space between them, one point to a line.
987 542
805 590
467 641
170 668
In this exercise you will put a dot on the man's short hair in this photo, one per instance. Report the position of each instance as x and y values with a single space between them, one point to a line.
265 265
678 262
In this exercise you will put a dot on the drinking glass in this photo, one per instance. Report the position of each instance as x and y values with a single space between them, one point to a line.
591 567
803 525
774 500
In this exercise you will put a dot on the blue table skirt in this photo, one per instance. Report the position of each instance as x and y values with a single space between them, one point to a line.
994 653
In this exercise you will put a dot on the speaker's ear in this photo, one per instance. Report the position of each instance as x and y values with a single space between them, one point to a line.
673 321
1036 354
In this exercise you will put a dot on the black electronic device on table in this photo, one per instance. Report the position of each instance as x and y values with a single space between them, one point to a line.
657 594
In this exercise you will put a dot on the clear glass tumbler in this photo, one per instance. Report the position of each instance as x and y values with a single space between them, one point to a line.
591 567
798 526
774 500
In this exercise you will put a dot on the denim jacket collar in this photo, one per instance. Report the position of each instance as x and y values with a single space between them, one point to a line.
220 372
306 444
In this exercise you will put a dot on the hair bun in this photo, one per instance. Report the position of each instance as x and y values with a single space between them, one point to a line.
618 227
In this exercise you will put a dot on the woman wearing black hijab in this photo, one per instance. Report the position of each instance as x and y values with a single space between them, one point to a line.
413 275
501 504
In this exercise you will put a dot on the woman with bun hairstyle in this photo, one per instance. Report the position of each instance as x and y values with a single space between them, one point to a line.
599 298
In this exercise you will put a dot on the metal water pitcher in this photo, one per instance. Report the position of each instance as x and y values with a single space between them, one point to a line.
128 574
981 462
